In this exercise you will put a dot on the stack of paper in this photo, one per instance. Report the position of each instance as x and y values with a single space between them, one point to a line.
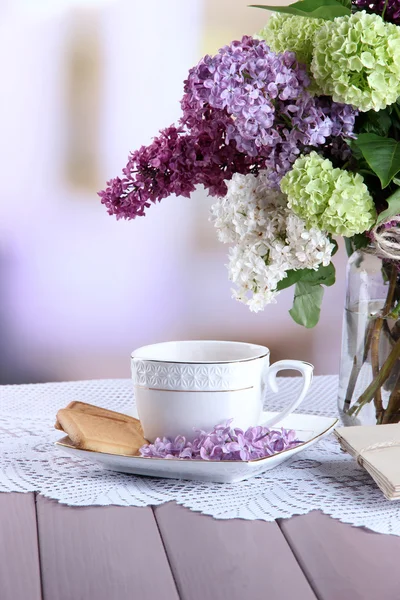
377 449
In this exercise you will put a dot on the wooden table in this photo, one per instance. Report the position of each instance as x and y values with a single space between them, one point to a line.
49 551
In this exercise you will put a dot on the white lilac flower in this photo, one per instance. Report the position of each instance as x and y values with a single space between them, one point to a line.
268 239
310 246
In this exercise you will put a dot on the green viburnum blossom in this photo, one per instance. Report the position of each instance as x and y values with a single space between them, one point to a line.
330 199
296 34
356 60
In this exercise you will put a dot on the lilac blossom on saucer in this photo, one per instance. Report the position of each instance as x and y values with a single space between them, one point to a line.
224 443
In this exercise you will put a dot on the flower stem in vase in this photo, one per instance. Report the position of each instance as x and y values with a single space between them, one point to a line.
376 335
389 334
391 291
376 329
392 413
377 383
357 365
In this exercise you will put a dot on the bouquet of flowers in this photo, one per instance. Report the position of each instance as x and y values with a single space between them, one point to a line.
296 131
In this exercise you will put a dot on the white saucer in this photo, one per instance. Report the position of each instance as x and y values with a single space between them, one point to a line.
309 428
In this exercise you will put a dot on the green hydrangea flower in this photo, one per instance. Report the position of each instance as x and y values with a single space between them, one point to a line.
287 32
330 199
356 60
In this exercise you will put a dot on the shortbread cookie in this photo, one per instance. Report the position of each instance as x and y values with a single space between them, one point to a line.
101 434
100 412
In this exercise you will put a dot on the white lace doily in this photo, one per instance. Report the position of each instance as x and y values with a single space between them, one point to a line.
322 477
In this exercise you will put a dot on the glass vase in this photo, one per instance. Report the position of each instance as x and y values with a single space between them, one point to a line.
369 382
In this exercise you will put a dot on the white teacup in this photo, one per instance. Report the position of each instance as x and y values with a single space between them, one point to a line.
182 385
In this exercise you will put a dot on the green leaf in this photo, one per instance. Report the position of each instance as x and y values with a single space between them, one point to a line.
307 304
349 246
375 122
346 3
393 207
336 248
382 155
356 242
308 294
292 277
316 9
325 275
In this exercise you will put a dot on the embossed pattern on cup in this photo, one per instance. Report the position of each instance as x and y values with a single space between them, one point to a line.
197 377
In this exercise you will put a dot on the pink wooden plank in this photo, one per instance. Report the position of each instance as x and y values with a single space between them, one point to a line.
102 553
344 562
19 555
235 559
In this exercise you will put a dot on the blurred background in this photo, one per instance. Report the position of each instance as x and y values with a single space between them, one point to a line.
85 82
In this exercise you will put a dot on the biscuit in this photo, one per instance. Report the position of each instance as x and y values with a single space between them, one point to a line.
100 412
101 434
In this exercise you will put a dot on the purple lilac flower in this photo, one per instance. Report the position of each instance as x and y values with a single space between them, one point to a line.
196 152
224 443
273 114
388 9
343 118
255 86
244 109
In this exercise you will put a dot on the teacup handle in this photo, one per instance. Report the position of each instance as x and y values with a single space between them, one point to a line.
298 365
